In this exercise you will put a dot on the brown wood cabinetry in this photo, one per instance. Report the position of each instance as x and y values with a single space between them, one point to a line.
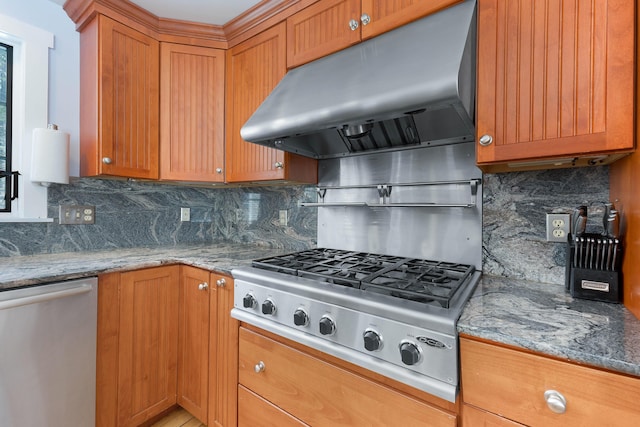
518 386
331 25
254 411
474 417
254 68
555 81
137 345
193 341
223 359
298 384
119 95
191 113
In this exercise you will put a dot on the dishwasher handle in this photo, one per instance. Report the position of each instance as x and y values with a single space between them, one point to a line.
48 296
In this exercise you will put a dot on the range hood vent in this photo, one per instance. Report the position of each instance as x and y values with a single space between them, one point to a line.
411 87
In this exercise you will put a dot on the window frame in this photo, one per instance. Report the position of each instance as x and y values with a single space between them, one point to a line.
9 125
29 111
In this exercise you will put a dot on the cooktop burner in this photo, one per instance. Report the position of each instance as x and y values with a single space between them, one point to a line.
418 280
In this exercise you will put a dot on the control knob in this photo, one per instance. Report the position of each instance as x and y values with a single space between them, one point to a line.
249 301
327 325
268 307
372 340
410 353
300 317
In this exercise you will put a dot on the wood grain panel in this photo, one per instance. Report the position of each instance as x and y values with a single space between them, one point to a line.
300 384
148 343
512 383
321 29
254 411
389 14
623 178
129 94
254 68
555 78
193 342
474 417
192 113
223 360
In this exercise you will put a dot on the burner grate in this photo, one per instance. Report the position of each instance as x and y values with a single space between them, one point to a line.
425 281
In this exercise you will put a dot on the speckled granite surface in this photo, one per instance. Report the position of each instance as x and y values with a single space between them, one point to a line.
33 269
546 319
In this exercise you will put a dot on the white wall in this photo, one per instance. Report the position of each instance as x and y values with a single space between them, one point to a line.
64 65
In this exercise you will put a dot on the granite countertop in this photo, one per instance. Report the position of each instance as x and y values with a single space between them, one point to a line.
545 318
33 269
530 315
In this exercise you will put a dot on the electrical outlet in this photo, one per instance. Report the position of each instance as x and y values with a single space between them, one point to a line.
185 214
77 214
283 217
558 226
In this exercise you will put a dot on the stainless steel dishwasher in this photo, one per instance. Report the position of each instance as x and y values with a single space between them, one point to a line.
48 354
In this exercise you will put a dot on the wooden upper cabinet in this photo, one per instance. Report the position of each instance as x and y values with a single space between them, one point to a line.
328 26
147 343
119 94
321 29
555 79
193 341
191 113
254 68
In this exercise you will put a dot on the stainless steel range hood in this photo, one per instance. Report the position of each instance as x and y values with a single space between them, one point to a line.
411 87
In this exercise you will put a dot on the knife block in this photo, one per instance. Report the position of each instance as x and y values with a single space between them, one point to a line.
592 280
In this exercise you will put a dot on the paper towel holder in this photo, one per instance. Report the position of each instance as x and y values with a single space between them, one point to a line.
50 156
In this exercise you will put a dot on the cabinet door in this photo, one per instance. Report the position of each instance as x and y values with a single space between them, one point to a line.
191 113
385 15
193 341
147 344
223 360
555 78
254 411
321 29
254 68
474 417
119 101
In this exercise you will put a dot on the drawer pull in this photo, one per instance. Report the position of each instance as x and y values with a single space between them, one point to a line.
555 401
203 286
259 367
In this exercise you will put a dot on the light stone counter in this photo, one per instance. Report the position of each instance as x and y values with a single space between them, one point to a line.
546 319
34 269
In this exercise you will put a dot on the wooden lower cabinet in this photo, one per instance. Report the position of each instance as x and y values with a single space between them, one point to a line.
166 337
513 384
137 345
193 341
312 391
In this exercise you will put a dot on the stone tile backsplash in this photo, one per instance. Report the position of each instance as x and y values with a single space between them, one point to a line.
134 214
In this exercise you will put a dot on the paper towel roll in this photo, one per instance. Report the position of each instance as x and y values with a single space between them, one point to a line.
50 156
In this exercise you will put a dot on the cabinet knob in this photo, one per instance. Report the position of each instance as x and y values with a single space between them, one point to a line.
278 165
365 19
259 367
555 401
203 286
221 283
218 170
106 160
353 24
486 140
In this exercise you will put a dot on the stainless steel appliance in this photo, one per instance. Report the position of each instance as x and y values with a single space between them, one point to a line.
400 237
48 355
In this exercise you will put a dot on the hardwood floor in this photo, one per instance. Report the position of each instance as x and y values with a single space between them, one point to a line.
178 418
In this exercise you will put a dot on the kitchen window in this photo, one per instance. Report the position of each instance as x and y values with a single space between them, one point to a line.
6 86
25 80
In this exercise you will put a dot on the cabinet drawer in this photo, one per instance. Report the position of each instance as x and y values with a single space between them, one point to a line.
254 411
512 384
321 394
